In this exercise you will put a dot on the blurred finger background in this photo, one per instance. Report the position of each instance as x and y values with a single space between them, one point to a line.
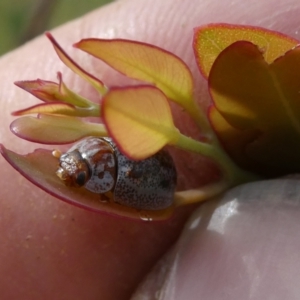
21 21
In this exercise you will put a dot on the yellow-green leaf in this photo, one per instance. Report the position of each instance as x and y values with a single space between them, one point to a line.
210 40
58 108
260 103
49 129
139 119
69 62
48 108
145 62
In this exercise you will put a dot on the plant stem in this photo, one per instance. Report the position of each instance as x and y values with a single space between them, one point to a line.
233 174
201 194
92 111
200 118
96 129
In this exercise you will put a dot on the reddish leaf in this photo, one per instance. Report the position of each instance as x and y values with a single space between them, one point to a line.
49 91
40 167
44 90
258 108
210 40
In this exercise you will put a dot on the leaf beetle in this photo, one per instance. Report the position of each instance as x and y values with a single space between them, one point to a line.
98 165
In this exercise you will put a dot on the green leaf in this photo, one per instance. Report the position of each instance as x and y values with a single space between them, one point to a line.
145 62
256 111
139 119
210 40
48 129
40 168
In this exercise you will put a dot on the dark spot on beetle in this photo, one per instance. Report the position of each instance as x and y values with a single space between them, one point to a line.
165 184
100 175
135 173
81 178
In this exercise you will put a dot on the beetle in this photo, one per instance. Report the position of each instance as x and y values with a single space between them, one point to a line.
98 165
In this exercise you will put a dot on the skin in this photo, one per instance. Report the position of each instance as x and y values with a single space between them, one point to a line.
52 250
